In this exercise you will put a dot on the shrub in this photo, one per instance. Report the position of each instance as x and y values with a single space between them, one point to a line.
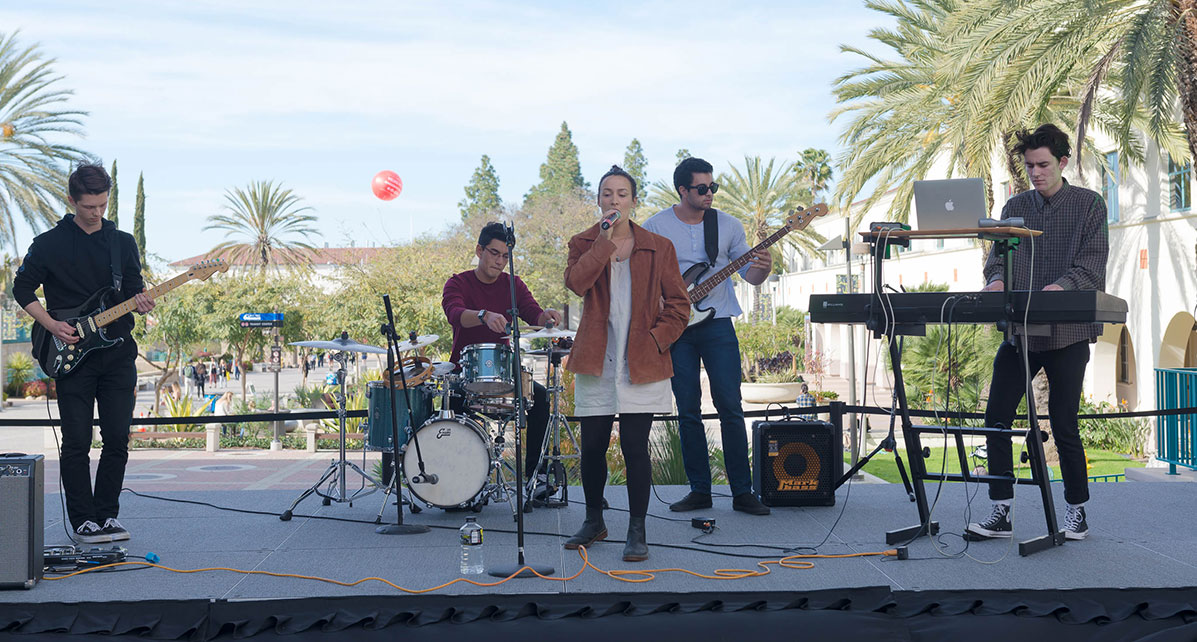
33 389
1126 435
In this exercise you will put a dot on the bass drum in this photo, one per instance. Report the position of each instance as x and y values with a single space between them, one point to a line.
458 452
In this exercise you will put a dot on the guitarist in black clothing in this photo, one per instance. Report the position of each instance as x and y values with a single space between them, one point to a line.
72 262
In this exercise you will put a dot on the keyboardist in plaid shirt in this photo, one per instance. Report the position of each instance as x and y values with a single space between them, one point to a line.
1069 255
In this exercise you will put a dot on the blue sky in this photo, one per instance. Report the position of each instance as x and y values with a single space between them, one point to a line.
204 96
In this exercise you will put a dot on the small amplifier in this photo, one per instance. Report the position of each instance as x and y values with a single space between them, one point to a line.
22 532
796 463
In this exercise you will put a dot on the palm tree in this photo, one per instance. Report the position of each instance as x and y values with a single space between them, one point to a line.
260 219
762 196
32 181
814 166
657 196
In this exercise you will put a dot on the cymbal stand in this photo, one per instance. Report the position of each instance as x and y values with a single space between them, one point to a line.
558 473
339 465
388 329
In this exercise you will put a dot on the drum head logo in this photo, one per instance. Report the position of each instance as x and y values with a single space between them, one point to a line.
490 363
444 432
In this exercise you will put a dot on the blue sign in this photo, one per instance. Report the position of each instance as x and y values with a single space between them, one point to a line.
261 319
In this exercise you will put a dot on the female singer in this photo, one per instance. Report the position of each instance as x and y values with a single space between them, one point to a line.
634 307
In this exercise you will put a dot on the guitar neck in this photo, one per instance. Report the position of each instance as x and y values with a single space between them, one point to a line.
703 289
117 311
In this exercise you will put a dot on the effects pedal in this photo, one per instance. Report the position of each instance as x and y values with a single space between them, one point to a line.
704 524
69 558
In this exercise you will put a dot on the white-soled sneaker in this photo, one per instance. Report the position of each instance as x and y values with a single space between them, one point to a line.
115 530
1075 526
998 524
90 532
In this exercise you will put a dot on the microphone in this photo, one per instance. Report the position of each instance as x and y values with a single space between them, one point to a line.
609 220
1005 222
426 478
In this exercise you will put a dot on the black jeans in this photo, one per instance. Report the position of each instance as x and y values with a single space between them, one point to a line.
107 378
1065 369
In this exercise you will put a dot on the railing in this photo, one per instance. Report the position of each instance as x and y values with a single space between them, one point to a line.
1176 434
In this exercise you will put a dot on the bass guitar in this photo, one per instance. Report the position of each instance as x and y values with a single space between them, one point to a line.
797 219
59 358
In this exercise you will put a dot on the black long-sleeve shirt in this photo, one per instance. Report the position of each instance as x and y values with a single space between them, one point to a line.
1071 253
72 265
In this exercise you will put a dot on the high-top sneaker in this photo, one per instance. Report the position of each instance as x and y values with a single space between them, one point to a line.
998 524
1075 526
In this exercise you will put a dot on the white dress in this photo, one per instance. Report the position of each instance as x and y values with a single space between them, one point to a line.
613 392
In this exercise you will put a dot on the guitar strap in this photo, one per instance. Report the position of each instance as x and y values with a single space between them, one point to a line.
114 244
710 231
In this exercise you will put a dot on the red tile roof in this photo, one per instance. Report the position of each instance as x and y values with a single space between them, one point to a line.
318 256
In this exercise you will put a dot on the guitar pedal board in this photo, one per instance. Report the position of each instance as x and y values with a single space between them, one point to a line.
59 559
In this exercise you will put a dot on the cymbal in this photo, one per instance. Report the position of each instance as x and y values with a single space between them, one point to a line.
419 342
547 333
342 344
442 368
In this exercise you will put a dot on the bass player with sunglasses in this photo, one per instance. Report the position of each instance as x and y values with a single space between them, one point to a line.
704 235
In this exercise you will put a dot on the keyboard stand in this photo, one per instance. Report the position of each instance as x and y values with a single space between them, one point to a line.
915 453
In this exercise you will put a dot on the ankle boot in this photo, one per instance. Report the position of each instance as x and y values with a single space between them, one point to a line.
636 550
593 529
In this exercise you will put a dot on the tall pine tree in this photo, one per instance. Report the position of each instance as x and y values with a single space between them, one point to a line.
112 206
561 173
482 194
139 217
635 163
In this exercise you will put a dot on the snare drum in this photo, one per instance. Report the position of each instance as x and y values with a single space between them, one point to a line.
503 404
486 368
458 452
379 435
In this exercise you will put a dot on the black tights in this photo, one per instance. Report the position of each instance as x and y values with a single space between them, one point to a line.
633 440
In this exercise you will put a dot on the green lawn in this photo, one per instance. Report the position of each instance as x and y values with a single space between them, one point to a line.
1101 462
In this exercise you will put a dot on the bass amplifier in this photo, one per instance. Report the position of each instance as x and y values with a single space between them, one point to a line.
796 463
22 503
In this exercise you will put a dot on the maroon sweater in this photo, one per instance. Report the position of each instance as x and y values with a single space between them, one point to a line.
463 291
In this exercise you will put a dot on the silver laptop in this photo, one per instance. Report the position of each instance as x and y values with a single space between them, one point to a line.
949 204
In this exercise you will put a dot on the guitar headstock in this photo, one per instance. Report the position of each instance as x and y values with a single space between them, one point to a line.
799 218
207 268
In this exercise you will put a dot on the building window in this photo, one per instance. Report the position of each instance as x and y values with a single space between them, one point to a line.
1179 194
939 244
1109 186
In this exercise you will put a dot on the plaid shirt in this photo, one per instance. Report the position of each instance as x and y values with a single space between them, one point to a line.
1071 253
805 400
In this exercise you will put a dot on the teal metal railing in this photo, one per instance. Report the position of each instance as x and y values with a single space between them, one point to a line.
1176 435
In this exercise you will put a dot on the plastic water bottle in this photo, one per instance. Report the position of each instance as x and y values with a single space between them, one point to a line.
471 548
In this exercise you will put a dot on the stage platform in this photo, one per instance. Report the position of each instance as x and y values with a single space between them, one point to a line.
1141 557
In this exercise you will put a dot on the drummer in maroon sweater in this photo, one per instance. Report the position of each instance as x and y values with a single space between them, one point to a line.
477 304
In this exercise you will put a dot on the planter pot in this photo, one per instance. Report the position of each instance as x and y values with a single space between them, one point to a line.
761 393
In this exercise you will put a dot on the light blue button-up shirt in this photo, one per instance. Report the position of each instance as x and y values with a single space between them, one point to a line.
690 243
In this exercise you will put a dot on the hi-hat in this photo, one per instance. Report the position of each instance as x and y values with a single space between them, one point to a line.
442 368
545 351
547 333
417 343
343 344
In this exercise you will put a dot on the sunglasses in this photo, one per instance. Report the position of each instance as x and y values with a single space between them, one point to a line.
703 189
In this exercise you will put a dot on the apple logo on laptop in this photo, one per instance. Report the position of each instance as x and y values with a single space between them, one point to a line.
949 206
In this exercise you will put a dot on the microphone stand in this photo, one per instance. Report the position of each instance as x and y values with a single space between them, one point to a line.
388 331
520 569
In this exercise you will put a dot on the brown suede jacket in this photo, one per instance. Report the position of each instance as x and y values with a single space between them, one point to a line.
653 328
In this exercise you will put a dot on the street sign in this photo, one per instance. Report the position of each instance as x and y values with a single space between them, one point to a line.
276 358
261 319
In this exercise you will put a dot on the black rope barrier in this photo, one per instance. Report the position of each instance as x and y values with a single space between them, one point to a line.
787 412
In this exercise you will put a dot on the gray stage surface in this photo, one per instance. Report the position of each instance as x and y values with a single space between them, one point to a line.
1141 536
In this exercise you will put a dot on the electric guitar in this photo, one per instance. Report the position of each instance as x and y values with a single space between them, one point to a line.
797 219
59 358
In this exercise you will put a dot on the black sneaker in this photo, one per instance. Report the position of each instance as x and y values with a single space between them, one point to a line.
1075 526
90 532
692 501
115 530
748 503
998 525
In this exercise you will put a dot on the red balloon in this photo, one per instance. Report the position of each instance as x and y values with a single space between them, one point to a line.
387 185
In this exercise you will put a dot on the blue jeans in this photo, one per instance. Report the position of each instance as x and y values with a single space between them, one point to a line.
715 344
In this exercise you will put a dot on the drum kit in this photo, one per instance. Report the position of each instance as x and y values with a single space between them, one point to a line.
457 462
